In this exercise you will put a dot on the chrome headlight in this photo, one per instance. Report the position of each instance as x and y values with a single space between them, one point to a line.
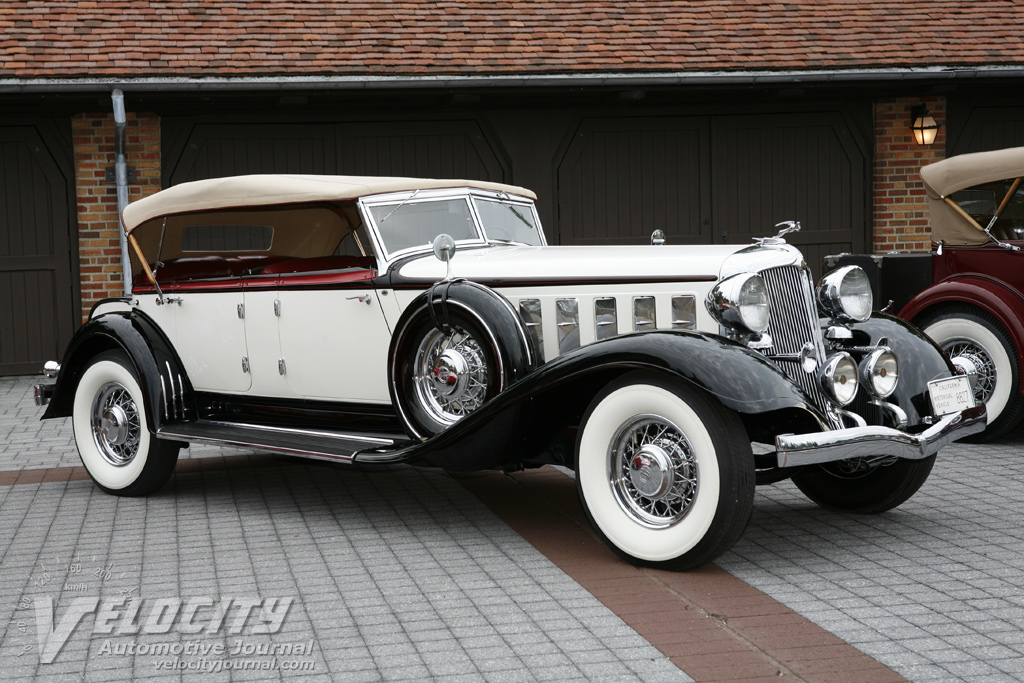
839 378
740 302
879 371
845 294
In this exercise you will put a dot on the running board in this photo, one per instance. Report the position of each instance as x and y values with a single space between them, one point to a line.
320 444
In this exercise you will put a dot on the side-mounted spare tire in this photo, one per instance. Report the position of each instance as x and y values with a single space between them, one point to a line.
456 346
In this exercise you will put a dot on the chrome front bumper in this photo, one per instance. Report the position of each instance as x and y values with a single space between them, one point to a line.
795 450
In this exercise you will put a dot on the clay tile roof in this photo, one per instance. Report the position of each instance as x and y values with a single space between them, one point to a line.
252 38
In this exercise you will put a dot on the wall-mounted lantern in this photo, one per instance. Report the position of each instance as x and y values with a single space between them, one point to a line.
923 124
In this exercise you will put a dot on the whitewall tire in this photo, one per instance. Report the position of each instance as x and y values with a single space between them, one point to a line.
975 340
112 433
664 473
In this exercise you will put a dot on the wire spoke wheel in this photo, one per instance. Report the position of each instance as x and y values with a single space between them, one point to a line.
112 431
116 426
450 374
665 474
978 363
653 471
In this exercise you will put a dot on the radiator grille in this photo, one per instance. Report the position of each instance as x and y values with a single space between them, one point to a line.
794 322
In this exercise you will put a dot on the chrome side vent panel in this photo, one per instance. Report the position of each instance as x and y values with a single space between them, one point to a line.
684 312
644 314
567 319
794 322
529 311
606 321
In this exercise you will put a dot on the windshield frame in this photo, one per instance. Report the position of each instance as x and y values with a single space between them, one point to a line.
387 257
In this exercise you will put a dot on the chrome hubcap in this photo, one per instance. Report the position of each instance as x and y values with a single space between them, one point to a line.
653 471
116 424
451 375
976 363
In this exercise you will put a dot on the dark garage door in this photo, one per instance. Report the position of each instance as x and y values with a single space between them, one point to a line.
725 179
39 291
613 180
981 129
432 149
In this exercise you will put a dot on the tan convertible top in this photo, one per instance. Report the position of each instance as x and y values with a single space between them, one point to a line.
945 177
266 190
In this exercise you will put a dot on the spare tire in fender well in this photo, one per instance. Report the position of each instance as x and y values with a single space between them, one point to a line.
497 340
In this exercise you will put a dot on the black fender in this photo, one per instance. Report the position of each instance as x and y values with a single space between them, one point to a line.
169 394
920 361
492 312
520 425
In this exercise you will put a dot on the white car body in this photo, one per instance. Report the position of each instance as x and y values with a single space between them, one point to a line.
397 320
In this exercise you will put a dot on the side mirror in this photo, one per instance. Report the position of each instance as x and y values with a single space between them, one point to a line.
444 247
444 250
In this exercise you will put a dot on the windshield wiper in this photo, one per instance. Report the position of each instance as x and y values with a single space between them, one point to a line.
400 205
513 209
515 243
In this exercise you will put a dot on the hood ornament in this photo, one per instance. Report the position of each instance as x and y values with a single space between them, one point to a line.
786 227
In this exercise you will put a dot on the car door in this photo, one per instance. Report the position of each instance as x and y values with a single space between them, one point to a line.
334 339
210 337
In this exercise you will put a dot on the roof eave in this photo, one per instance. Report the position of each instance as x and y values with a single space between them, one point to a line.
605 79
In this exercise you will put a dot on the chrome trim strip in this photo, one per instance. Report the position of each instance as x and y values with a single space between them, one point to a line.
372 440
174 393
181 391
163 394
796 450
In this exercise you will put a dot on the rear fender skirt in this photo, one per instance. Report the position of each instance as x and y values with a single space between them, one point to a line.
522 422
169 394
920 361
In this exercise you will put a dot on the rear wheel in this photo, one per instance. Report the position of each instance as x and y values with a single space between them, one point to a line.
978 344
665 474
111 431
861 486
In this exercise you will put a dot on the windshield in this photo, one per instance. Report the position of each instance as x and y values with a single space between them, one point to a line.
507 221
410 223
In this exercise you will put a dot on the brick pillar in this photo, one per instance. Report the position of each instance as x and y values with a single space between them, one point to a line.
900 204
98 226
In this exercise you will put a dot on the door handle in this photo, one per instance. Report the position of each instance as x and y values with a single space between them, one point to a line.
362 298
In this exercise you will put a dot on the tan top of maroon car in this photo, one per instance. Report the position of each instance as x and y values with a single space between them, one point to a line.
956 220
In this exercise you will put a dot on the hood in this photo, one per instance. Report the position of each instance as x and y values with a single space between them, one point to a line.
677 262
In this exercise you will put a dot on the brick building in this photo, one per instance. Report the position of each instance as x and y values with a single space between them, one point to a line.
711 120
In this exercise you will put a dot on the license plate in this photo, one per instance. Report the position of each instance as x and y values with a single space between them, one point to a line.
950 395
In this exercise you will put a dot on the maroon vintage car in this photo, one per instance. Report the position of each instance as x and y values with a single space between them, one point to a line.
968 295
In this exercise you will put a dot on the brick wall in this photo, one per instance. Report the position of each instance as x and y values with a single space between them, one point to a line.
900 205
98 229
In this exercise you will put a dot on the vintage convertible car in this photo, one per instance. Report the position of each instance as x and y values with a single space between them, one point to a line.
968 294
307 315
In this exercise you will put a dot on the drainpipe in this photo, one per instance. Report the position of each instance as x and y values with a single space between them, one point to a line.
121 175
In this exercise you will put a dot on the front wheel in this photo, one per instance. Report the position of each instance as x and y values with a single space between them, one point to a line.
861 486
112 433
665 474
977 343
